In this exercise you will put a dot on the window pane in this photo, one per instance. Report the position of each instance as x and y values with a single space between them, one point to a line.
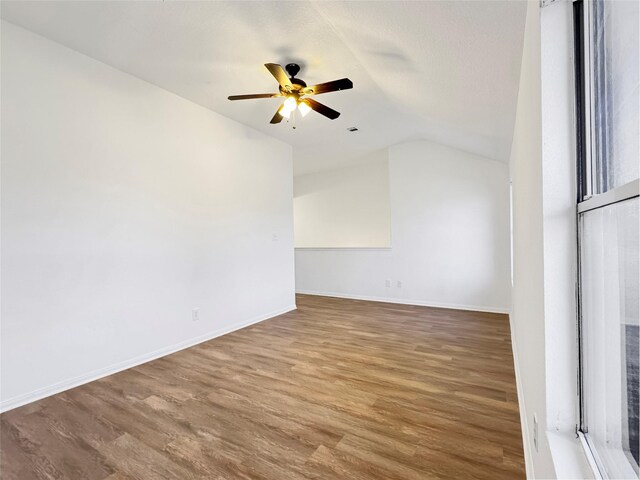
616 80
610 307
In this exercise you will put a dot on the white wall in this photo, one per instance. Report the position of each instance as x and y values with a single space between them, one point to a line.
449 230
543 312
345 207
559 214
124 207
527 310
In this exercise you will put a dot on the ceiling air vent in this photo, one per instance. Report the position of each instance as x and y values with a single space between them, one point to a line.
353 129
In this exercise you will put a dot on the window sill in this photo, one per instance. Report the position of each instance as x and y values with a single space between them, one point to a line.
569 456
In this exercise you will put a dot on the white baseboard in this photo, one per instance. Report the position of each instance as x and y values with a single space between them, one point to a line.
524 423
20 400
402 301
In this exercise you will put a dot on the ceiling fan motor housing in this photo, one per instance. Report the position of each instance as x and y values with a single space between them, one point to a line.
293 69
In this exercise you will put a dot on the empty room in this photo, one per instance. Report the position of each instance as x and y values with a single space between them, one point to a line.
361 240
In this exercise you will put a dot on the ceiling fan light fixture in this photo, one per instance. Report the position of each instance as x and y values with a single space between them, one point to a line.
290 104
303 108
288 107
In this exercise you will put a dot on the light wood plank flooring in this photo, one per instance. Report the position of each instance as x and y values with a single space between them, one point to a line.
339 389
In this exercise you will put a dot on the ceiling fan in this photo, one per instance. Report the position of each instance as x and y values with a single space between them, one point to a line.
297 93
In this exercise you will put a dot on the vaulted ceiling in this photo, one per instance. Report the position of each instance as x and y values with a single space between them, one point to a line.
445 71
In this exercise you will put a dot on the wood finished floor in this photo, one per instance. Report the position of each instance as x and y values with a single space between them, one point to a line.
339 389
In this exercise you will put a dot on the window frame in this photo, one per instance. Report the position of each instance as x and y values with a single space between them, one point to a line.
588 163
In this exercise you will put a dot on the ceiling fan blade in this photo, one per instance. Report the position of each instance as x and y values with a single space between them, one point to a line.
334 86
321 109
254 95
277 118
281 76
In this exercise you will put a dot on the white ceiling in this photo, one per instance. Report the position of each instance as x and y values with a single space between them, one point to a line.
445 71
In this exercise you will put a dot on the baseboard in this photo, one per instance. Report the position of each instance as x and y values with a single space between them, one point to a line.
401 301
44 392
524 423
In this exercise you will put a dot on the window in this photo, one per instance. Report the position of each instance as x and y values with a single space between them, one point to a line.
607 84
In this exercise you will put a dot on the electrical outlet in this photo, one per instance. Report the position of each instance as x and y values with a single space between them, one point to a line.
535 431
195 314
274 237
399 284
387 283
